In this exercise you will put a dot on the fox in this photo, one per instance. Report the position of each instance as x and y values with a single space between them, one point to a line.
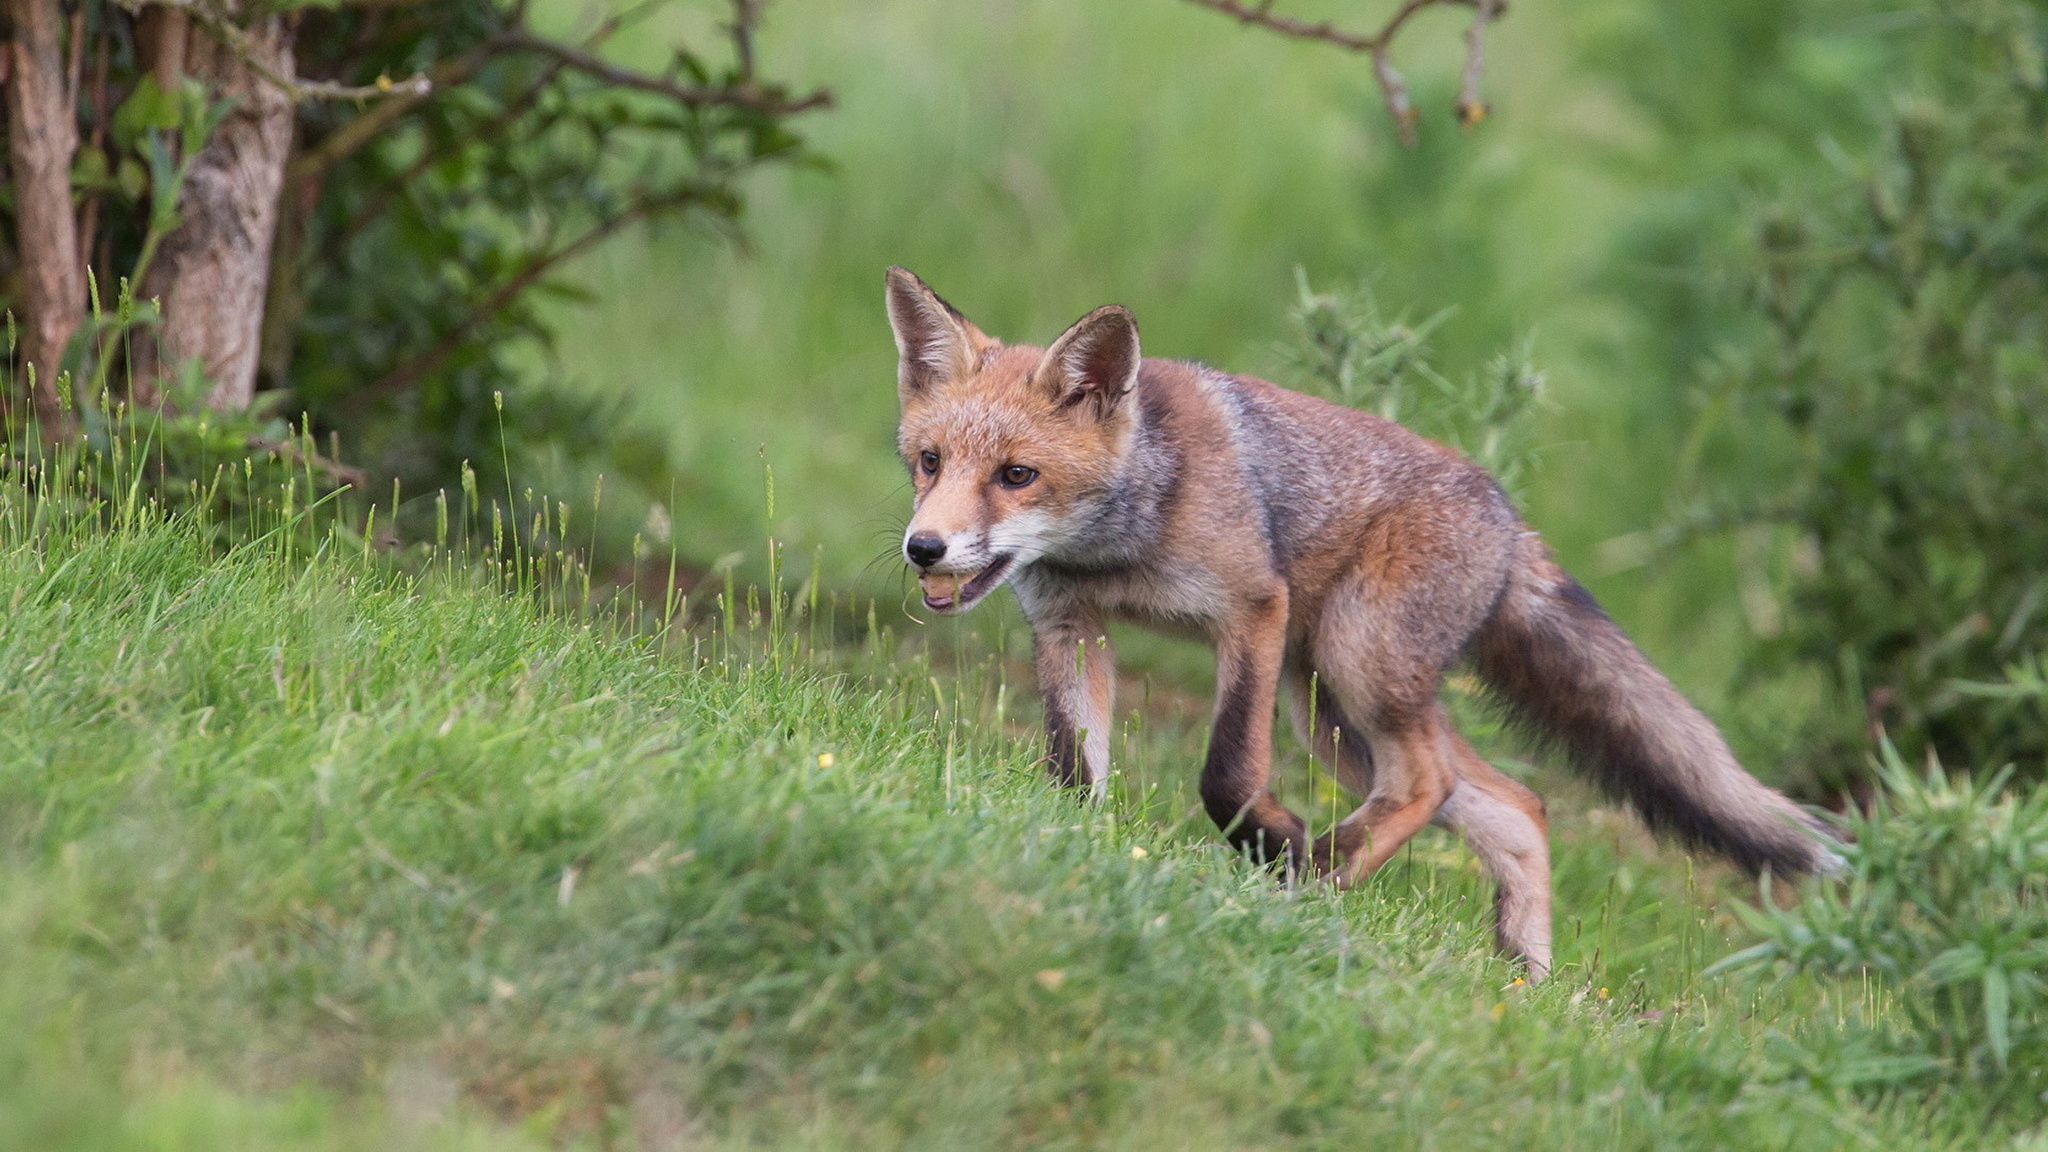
1319 550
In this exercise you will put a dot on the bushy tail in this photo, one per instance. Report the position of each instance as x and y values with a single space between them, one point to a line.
1570 673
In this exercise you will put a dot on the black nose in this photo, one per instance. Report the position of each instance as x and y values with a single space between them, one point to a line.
924 549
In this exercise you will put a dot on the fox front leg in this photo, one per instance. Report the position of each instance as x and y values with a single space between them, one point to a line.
1249 651
1077 680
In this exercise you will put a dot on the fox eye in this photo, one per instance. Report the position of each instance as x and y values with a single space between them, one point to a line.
929 461
1017 476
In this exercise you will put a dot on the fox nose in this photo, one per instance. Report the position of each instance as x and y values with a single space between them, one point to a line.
924 549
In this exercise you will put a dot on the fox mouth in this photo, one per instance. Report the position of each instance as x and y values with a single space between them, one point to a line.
949 592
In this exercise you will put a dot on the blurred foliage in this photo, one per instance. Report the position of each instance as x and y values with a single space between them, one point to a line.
428 251
1888 408
1944 918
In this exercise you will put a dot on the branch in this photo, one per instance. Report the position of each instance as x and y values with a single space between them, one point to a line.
408 375
290 452
743 95
1379 45
429 157
746 14
346 140
349 138
237 42
1471 109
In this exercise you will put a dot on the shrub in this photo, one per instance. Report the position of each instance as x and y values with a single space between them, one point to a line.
1945 907
1890 416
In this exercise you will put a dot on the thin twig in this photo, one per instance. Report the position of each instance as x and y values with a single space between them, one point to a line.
1261 16
1379 46
291 453
350 138
746 14
744 95
1395 89
418 84
237 41
1472 109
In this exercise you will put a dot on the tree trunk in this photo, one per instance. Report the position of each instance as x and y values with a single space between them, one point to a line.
213 270
42 139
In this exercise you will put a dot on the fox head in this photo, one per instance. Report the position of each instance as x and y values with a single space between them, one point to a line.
1011 450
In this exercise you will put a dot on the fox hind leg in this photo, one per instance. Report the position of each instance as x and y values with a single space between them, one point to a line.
1502 821
1412 774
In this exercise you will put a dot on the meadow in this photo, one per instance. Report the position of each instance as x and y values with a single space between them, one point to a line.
309 846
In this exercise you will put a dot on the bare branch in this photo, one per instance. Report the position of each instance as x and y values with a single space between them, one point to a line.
746 14
745 95
1395 88
1472 109
1378 45
1261 16
291 453
346 140
237 41
418 84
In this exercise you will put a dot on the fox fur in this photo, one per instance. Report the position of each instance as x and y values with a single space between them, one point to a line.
1319 549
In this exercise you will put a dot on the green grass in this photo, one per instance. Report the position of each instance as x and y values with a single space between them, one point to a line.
300 848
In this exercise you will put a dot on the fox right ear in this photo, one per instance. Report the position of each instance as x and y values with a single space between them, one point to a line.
934 343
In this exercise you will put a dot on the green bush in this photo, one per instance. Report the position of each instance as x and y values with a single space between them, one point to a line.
1890 415
1945 909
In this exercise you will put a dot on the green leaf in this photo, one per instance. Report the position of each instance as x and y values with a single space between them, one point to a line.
145 108
1998 1013
131 178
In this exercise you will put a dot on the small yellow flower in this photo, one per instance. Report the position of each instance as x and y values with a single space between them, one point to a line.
826 760
1499 1010
1518 982
1603 993
1138 853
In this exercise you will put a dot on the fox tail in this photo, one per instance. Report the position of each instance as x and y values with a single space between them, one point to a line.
1567 671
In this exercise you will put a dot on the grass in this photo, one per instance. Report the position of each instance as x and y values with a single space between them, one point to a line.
307 848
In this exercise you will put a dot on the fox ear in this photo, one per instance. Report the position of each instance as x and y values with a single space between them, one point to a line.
1094 363
934 343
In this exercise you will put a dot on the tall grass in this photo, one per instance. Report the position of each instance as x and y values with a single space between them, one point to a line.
307 844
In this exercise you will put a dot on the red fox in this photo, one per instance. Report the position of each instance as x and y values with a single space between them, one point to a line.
1315 547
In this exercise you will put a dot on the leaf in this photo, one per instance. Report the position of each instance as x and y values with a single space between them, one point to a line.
145 108
131 178
1998 1013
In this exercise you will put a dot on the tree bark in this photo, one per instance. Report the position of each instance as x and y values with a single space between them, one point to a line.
213 271
42 140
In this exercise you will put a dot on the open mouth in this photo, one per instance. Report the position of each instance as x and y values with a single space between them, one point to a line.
949 592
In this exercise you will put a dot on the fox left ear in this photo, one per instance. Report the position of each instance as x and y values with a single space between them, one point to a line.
1094 363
